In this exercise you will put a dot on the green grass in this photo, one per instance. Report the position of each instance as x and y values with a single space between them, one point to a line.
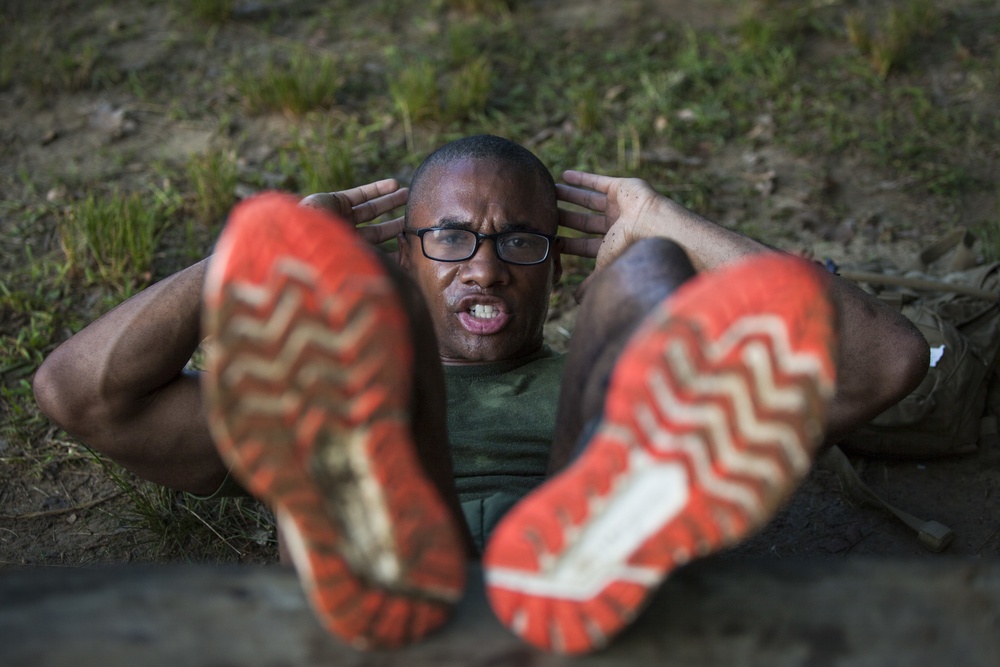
469 88
300 82
488 7
209 11
889 38
414 91
46 66
180 526
323 160
212 178
112 239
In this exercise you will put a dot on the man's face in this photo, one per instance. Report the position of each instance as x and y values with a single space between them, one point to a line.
487 198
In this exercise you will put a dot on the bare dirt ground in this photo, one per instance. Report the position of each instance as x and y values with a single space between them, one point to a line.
59 507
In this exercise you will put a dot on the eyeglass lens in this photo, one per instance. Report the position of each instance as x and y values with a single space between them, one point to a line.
459 244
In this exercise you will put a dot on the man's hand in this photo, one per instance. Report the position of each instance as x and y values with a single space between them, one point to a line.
621 208
363 204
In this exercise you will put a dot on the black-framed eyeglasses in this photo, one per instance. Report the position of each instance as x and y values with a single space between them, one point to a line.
450 244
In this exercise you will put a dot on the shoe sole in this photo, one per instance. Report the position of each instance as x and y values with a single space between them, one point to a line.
711 419
308 385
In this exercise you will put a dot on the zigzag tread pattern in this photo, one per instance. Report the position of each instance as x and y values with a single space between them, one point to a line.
736 417
275 367
308 393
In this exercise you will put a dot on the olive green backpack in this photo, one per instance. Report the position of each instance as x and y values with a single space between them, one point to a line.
955 406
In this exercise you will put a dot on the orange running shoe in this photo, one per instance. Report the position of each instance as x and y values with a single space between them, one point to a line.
711 419
308 387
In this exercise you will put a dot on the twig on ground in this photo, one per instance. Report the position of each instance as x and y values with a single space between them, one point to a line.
211 528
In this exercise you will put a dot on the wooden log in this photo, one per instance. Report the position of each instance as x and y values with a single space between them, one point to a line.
724 612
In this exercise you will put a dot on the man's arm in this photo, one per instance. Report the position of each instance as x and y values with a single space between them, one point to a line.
120 384
882 356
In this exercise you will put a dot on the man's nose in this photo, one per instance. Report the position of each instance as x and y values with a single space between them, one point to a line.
485 268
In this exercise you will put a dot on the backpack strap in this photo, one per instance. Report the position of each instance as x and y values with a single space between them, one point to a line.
932 534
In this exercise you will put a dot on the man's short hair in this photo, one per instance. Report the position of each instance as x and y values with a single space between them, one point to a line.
483 147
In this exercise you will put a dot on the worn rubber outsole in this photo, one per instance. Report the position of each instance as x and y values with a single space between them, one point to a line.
712 416
308 388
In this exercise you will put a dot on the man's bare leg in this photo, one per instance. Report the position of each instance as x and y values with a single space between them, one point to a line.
310 389
615 304
713 411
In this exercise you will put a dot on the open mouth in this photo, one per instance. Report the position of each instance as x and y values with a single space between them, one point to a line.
481 312
483 319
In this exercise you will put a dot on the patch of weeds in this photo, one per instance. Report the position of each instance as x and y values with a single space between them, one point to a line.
705 90
888 40
209 11
112 239
769 25
469 89
586 101
24 349
413 89
20 418
323 160
629 150
391 12
219 530
579 151
213 176
414 93
69 68
489 7
463 42
458 88
32 311
303 82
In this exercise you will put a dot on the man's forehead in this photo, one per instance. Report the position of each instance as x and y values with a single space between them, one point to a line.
463 189
482 174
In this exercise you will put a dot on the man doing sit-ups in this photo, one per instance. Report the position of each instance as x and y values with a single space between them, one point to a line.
401 414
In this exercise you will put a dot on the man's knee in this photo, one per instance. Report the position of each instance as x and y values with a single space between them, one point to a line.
648 271
655 259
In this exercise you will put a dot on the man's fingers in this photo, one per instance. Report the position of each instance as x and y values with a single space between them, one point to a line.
369 191
363 203
583 222
595 201
373 208
580 247
588 180
382 232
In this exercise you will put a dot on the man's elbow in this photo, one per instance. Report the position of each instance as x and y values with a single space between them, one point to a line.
914 357
886 379
60 397
907 366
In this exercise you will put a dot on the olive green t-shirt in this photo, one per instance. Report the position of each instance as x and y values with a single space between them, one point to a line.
501 422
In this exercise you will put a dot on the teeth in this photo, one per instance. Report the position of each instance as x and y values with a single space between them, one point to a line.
484 312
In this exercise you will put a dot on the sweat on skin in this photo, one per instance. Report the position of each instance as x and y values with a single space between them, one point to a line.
483 308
